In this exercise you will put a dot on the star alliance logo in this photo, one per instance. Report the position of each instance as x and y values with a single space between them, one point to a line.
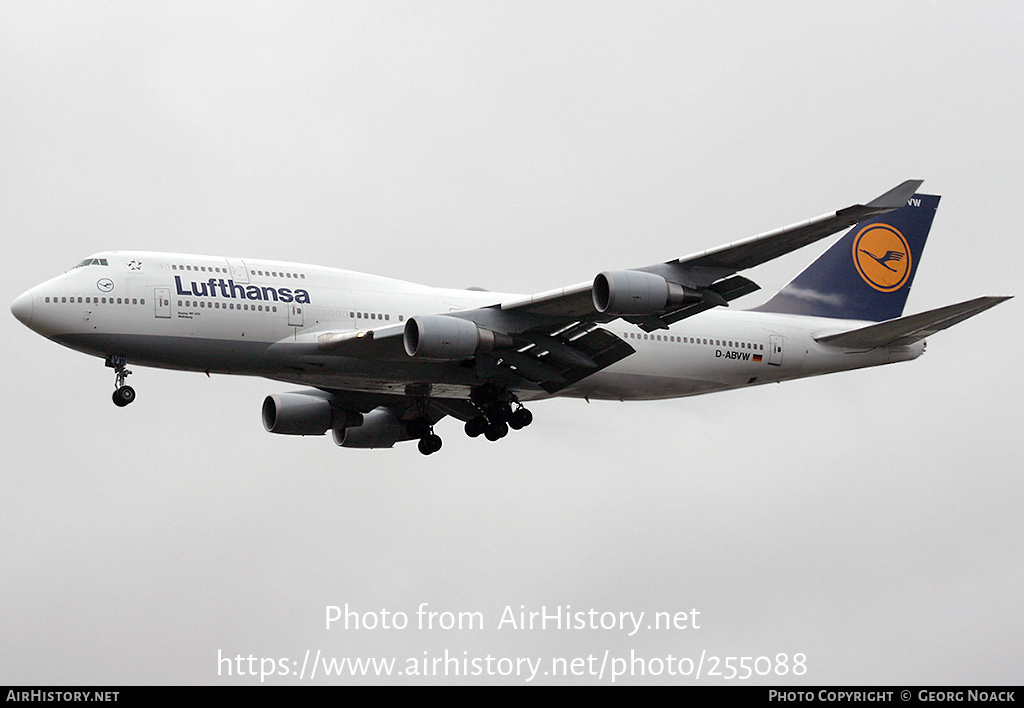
134 265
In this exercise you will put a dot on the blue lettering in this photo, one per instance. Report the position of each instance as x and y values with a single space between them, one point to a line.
231 289
177 285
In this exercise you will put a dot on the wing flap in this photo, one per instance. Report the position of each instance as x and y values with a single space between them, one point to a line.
910 329
558 359
600 346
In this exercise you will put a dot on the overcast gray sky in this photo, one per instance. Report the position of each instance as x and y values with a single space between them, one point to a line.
869 520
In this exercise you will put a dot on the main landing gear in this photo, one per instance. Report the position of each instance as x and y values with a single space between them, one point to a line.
499 411
421 428
123 395
497 414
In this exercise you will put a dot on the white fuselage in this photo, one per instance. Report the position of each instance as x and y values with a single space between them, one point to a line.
262 318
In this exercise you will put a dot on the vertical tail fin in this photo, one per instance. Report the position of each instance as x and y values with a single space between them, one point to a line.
867 274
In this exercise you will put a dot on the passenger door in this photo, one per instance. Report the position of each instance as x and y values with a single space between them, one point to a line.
162 300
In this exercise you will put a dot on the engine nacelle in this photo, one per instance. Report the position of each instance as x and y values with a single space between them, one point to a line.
380 428
634 292
304 414
445 338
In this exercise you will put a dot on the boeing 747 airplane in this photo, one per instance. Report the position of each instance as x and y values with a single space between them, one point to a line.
384 360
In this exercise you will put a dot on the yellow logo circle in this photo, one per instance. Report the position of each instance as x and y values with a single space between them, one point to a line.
882 257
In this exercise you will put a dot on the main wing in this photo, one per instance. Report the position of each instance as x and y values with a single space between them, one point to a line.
555 338
708 278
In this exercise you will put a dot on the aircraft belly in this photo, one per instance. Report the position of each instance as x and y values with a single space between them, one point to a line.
183 353
440 379
623 386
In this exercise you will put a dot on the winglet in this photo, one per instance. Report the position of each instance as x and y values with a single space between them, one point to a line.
896 197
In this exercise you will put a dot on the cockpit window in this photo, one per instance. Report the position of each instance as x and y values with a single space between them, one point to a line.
92 261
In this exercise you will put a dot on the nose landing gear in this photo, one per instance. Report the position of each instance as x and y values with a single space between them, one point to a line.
123 394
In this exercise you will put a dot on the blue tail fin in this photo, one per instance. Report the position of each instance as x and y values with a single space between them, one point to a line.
867 274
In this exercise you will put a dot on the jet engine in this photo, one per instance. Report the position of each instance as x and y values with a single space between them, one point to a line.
444 338
380 428
304 414
634 292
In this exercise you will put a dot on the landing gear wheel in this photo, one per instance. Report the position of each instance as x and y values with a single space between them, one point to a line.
520 419
496 431
123 396
429 444
475 427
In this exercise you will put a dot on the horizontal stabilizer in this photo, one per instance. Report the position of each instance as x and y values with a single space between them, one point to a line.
910 329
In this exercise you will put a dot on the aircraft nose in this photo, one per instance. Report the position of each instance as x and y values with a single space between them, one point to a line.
22 308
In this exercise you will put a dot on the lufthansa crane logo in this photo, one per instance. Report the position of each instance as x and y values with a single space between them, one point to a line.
105 285
882 257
